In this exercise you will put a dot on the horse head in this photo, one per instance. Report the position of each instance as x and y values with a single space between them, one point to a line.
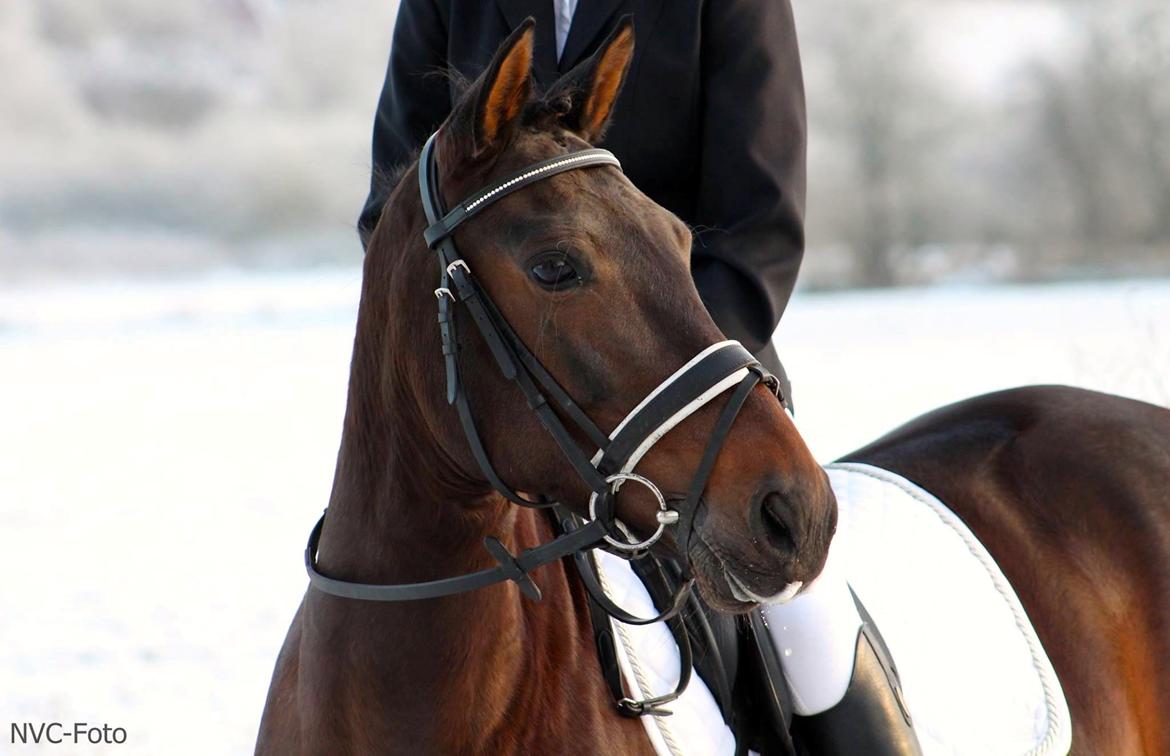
595 280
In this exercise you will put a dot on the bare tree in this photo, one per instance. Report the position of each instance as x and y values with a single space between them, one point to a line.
873 106
1104 127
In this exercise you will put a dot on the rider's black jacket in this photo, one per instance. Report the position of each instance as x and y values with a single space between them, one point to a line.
710 124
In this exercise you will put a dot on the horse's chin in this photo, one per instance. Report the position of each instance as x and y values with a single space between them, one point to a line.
718 595
727 592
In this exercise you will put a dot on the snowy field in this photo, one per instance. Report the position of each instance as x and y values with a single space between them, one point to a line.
164 449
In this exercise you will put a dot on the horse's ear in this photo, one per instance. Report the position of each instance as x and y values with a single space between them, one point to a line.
486 115
586 95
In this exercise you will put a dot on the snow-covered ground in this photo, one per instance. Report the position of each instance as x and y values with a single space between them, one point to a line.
165 447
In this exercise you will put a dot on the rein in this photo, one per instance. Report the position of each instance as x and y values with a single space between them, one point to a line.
720 367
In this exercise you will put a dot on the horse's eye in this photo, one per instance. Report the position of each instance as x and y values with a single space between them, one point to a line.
554 271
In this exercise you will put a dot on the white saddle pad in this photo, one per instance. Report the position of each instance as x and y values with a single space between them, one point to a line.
974 674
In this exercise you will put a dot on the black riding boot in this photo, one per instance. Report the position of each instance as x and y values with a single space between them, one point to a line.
872 718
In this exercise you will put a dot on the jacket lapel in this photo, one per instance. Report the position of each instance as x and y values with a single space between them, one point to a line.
589 20
545 45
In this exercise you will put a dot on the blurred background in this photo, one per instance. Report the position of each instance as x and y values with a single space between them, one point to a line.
989 206
952 140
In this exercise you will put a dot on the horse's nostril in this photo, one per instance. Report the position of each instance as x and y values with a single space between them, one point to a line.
773 512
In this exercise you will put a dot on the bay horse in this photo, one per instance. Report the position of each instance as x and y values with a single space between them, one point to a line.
591 280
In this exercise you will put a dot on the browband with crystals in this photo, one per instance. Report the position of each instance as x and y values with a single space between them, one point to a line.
445 226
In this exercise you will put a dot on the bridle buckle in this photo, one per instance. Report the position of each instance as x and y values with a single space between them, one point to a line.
648 708
458 264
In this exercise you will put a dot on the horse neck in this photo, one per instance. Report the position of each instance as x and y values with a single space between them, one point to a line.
403 505
401 511
418 672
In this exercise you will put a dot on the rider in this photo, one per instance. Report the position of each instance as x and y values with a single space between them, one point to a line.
711 125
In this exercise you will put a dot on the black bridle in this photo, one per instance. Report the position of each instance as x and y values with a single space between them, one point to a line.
715 370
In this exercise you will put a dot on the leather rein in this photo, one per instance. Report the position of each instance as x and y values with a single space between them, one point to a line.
725 366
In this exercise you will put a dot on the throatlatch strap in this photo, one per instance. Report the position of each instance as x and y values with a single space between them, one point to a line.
511 567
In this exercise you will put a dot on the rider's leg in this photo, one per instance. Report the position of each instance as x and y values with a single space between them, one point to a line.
844 686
